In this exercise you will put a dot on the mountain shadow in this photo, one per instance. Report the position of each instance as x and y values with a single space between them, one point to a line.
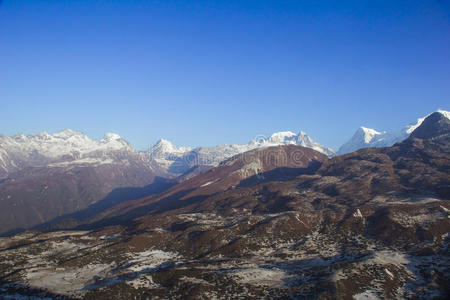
118 195
165 204
17 290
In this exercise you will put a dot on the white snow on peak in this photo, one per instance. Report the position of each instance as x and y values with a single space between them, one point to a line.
165 145
39 149
290 138
170 157
164 148
111 137
280 137
66 133
407 130
367 137
445 113
369 132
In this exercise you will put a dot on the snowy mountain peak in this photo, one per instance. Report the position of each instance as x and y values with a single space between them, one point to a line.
111 137
367 134
113 141
164 147
67 133
37 149
180 159
164 142
367 137
407 130
445 113
369 130
280 137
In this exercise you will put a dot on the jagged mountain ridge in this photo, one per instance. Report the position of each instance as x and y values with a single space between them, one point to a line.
73 147
68 146
368 137
178 160
434 126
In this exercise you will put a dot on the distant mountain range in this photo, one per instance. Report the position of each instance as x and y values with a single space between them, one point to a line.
67 147
49 175
70 147
178 160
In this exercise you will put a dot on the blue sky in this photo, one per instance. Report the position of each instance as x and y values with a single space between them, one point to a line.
213 72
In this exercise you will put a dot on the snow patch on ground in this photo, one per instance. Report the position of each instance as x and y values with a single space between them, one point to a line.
387 257
209 183
136 271
357 213
366 295
422 219
84 161
260 276
66 282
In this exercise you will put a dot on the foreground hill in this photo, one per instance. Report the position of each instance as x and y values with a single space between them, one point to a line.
370 224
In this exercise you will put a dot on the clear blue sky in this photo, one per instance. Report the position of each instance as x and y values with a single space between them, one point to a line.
212 72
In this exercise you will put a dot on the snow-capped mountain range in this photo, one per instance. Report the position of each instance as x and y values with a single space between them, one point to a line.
178 160
70 147
59 149
367 137
65 142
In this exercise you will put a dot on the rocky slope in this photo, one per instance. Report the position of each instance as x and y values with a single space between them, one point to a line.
39 194
246 169
370 224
